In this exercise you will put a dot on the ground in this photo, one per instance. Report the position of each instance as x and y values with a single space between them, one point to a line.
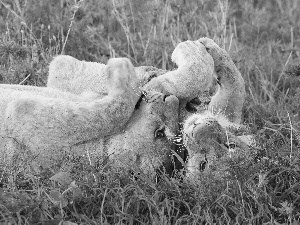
262 37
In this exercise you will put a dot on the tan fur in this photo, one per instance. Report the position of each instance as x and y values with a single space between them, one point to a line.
137 146
230 97
44 118
192 78
70 74
206 133
137 143
32 111
207 139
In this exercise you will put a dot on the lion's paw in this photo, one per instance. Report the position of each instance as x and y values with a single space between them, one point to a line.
188 52
219 55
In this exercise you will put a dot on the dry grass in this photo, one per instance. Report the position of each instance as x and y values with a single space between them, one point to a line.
263 39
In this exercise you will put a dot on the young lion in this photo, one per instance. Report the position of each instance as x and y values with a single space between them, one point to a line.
42 119
210 135
72 75
49 123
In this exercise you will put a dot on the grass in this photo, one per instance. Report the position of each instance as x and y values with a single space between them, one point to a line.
262 37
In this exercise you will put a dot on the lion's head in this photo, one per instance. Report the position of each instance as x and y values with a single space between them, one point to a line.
146 140
209 139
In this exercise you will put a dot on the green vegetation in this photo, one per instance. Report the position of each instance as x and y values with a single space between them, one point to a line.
262 37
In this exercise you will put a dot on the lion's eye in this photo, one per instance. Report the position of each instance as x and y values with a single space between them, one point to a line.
160 133
218 81
230 145
207 49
